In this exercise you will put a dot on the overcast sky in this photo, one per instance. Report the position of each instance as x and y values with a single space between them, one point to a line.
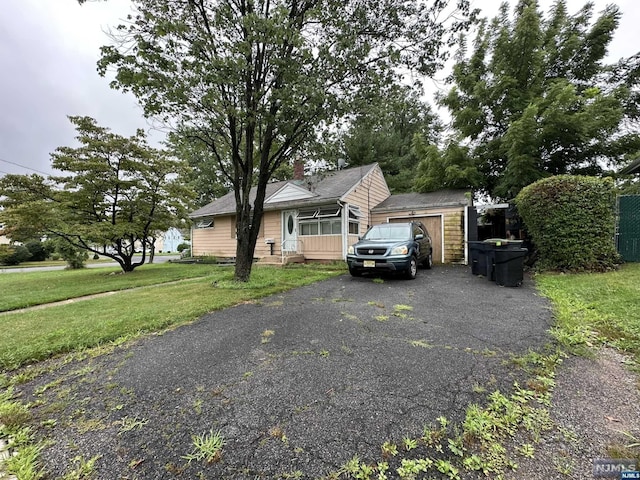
48 54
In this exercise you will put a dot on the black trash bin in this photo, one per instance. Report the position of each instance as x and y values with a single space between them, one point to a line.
478 253
509 266
494 245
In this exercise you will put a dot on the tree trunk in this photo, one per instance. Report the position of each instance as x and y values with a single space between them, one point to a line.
152 250
244 246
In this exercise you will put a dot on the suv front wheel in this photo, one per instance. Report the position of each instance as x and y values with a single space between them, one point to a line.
428 262
413 268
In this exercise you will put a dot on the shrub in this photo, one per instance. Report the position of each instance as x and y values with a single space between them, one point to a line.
183 246
39 251
74 257
571 220
13 254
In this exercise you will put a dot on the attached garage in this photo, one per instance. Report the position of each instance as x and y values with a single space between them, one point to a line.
444 213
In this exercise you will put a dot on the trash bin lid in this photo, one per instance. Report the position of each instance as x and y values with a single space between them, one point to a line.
503 242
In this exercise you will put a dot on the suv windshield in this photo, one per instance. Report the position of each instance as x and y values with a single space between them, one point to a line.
388 232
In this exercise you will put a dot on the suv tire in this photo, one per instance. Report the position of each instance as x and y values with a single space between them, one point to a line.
428 262
354 272
411 272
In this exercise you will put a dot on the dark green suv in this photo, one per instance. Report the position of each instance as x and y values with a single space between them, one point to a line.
392 247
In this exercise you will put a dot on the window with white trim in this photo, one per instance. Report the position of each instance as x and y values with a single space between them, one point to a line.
354 219
204 222
320 221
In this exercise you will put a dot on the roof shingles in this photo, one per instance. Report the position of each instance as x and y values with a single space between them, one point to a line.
327 187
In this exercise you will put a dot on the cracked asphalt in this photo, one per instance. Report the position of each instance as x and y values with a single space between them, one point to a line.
297 383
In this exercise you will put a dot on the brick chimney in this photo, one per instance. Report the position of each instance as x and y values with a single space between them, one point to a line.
298 169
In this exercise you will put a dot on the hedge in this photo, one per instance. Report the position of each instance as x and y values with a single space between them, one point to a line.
571 221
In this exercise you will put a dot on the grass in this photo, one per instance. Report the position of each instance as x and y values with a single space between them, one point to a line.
596 307
26 289
36 335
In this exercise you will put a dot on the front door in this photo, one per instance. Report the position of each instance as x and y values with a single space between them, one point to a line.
289 232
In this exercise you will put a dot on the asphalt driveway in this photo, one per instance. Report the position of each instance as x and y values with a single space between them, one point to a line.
297 383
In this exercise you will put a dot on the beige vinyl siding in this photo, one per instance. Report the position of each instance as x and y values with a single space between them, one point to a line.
367 194
218 241
322 247
270 228
451 239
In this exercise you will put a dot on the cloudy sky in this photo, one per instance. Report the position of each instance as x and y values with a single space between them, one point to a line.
48 54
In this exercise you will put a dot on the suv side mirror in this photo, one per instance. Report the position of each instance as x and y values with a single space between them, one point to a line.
419 236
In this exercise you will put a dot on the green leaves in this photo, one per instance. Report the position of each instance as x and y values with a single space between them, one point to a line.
253 81
114 193
571 220
531 99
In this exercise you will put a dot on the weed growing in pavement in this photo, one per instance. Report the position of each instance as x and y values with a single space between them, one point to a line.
346 349
420 343
278 432
24 463
475 445
629 448
291 475
341 300
401 308
349 316
84 469
89 425
526 450
378 280
207 447
389 449
376 304
266 336
128 424
409 468
382 318
477 388
563 465
409 443
635 441
13 413
399 311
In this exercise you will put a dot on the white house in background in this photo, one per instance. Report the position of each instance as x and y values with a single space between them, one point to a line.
4 240
169 240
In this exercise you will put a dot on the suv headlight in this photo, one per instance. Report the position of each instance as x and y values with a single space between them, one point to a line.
351 250
402 250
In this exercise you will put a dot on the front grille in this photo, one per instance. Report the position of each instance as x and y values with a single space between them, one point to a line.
371 251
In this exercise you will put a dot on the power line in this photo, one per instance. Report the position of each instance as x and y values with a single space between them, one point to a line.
23 166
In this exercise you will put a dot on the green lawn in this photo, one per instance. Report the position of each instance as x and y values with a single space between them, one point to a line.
21 290
596 307
39 334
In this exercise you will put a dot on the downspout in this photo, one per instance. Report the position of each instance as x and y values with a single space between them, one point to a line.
345 228
466 235
191 241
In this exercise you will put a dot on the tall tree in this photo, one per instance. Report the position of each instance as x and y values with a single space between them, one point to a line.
115 194
531 98
253 79
203 175
451 167
383 130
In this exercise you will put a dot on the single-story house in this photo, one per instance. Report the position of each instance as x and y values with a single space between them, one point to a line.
317 217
